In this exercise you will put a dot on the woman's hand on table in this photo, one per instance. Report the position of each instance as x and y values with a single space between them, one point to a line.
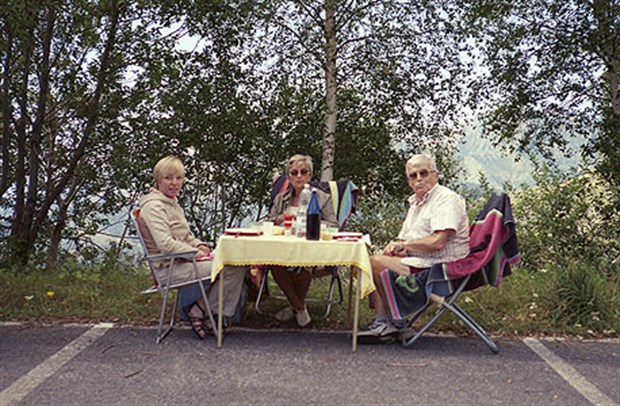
280 217
203 250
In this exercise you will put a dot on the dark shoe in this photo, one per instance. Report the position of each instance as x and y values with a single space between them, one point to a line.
400 324
197 323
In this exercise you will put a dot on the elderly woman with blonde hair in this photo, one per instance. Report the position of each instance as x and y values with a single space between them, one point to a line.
165 230
295 282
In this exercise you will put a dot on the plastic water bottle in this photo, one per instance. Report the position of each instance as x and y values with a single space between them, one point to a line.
313 226
302 210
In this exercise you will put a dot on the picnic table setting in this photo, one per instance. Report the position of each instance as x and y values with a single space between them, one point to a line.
266 244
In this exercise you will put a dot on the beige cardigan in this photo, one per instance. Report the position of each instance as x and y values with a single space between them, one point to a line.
163 224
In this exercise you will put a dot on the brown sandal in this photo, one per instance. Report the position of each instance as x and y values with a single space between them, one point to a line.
206 324
196 322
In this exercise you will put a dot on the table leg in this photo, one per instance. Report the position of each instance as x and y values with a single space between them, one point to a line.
351 270
358 289
220 309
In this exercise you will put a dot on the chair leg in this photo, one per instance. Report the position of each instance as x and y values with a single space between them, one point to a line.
468 317
208 307
162 315
340 295
328 300
330 294
406 338
263 287
461 314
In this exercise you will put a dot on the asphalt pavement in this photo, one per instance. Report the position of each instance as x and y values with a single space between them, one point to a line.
112 365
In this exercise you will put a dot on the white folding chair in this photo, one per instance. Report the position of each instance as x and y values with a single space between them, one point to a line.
164 286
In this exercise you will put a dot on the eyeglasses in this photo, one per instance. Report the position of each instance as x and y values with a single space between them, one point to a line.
295 172
423 174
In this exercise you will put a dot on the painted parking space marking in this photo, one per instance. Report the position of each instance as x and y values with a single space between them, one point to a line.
25 384
570 374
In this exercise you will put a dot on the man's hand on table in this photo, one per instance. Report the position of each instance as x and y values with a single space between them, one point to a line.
395 249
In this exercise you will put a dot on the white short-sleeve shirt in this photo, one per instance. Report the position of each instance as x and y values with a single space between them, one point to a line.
441 209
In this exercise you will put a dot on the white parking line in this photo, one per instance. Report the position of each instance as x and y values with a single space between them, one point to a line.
24 385
570 374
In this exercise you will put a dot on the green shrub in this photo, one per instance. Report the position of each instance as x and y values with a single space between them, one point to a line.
581 298
381 219
562 220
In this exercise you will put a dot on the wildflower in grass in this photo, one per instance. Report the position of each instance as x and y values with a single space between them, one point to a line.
50 293
29 297
469 300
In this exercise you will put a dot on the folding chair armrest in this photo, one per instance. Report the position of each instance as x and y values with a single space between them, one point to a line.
184 254
151 290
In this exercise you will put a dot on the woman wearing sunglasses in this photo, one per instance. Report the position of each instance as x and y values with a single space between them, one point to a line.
296 282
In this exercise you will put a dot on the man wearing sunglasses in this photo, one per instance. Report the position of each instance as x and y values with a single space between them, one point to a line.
436 230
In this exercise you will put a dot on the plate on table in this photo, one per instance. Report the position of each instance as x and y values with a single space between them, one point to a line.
347 236
245 232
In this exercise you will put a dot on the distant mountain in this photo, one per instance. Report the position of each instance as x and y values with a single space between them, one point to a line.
479 155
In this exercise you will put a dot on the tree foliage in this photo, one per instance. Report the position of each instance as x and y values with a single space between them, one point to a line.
72 94
94 93
58 61
550 75
400 60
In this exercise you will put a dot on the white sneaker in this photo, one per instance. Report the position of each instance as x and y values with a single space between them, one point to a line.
285 314
378 332
303 317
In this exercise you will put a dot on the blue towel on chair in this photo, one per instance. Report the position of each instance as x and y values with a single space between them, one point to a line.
344 195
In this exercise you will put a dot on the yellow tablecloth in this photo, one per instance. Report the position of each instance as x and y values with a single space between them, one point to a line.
292 251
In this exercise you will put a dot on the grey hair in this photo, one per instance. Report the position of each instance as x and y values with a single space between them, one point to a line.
420 159
300 158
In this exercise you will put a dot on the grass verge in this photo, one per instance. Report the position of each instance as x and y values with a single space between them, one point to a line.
561 301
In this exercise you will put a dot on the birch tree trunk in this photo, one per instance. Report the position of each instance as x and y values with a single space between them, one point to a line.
331 112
